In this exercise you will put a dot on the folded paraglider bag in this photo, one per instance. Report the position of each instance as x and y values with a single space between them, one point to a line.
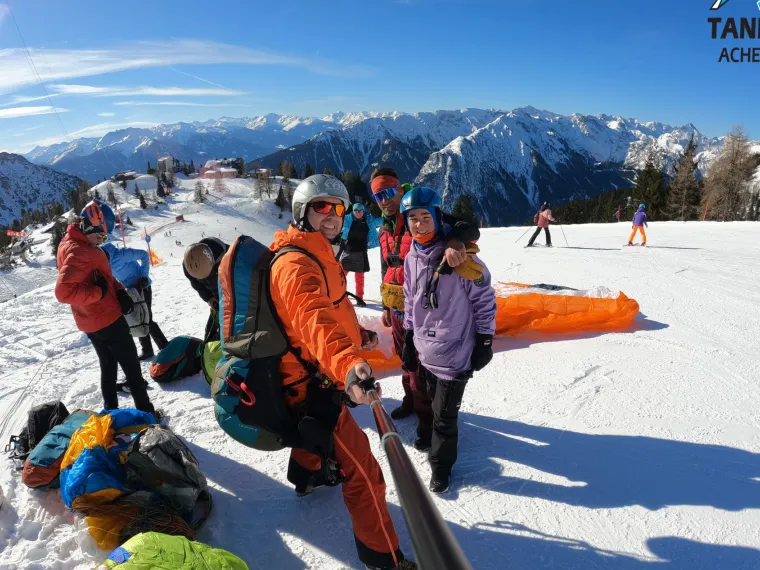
158 460
43 466
178 359
163 552
139 319
40 420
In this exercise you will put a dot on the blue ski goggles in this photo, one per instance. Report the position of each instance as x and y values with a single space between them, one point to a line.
385 194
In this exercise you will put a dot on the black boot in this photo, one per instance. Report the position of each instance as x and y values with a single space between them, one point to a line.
439 483
400 413
360 302
424 438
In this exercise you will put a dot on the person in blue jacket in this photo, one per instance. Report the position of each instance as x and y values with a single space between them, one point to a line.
359 235
131 267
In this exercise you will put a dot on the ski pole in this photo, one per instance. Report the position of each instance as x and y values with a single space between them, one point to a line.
434 545
523 235
563 234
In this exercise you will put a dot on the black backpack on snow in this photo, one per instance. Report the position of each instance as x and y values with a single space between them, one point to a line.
41 420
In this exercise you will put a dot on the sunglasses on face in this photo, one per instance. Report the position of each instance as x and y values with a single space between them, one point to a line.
385 194
325 208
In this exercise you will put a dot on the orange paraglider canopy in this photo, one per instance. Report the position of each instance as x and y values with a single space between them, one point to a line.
554 309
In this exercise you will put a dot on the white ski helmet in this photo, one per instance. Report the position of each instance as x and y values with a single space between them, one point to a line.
314 187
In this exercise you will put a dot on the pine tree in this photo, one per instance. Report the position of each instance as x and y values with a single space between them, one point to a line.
292 172
59 230
463 210
281 201
327 171
143 203
727 192
192 166
160 192
110 195
308 171
281 168
97 194
150 169
650 188
684 193
137 190
198 196
129 221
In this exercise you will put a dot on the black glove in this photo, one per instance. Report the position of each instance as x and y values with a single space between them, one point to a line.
465 232
483 351
142 283
101 282
409 354
126 302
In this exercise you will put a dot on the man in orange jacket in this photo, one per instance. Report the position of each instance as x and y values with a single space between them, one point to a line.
309 296
98 302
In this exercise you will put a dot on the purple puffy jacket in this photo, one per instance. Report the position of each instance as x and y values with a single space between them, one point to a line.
640 217
445 337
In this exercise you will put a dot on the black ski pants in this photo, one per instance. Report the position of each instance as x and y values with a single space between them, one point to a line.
447 398
153 328
535 235
114 345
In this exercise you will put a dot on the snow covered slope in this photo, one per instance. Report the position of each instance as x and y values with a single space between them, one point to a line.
27 186
629 451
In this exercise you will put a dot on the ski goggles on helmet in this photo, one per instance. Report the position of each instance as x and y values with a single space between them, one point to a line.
325 208
385 194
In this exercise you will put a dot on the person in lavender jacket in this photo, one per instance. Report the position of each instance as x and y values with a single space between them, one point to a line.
449 324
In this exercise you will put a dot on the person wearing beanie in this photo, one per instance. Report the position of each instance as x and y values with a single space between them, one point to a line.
359 235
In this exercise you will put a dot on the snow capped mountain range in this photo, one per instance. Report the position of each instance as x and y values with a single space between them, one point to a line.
28 186
508 161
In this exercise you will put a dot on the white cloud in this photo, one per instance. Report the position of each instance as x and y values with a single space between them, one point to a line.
24 99
62 64
66 89
14 112
177 104
106 114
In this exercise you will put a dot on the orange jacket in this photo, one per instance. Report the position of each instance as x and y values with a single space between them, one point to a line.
77 261
324 328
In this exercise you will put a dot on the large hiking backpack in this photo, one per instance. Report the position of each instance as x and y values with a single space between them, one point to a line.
178 359
43 466
249 399
41 419
139 319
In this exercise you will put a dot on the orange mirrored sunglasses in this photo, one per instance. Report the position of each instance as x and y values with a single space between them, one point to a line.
324 208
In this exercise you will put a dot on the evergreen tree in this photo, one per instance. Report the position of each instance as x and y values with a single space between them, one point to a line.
650 188
150 170
192 166
129 221
281 168
143 203
292 172
137 190
281 201
160 192
684 192
111 196
463 209
327 171
308 171
198 196
97 194
59 230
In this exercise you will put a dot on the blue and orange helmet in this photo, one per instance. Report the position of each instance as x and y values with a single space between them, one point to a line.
97 218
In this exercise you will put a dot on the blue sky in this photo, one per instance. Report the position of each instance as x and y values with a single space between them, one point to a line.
111 64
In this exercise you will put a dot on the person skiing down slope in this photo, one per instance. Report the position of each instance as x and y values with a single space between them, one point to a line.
639 223
542 221
98 302
446 342
201 267
395 244
132 268
359 235
309 296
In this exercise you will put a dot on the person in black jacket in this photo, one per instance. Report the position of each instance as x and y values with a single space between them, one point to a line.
201 267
